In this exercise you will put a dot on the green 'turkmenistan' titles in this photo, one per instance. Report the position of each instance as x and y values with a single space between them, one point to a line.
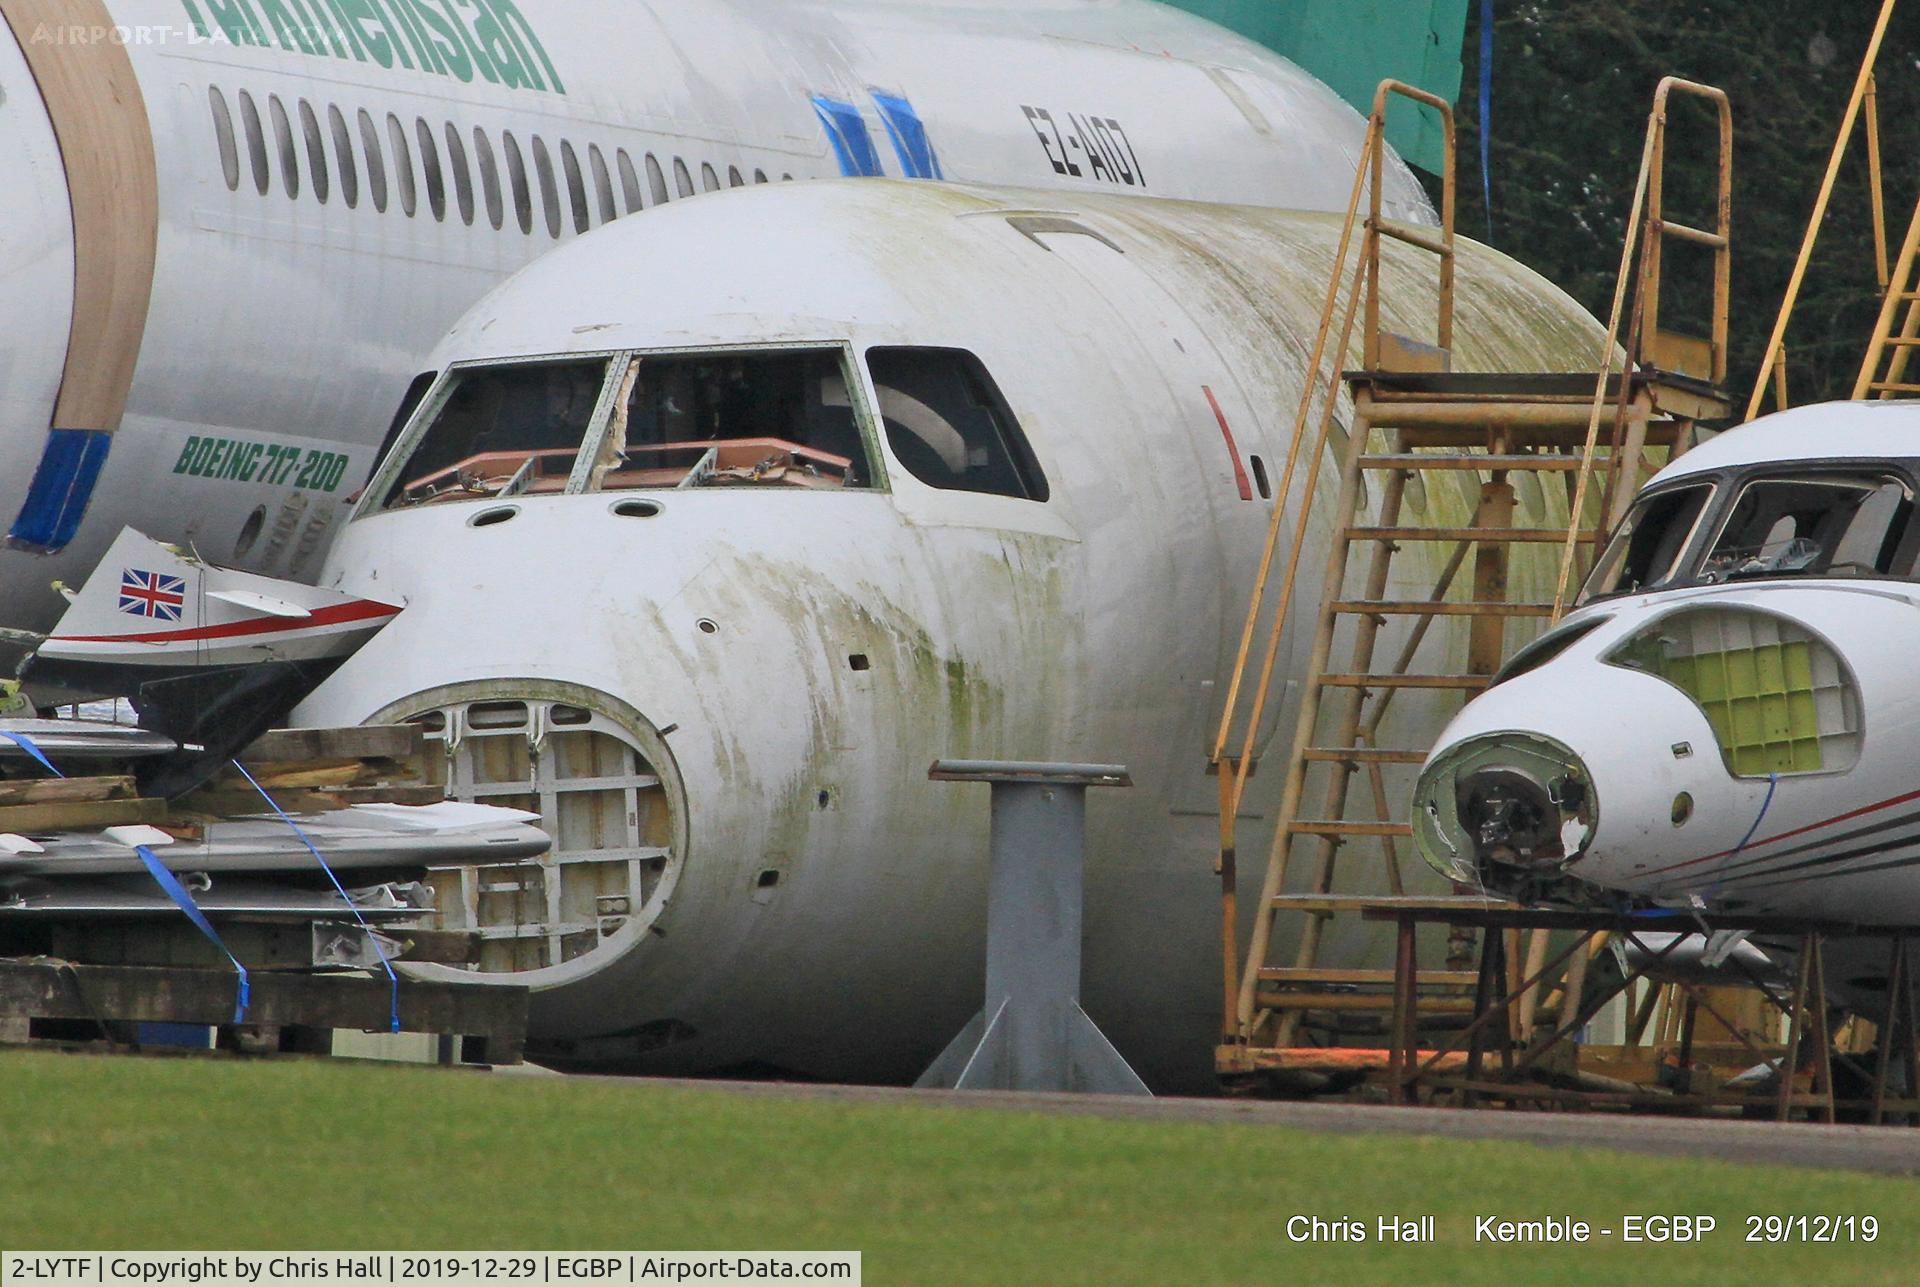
488 39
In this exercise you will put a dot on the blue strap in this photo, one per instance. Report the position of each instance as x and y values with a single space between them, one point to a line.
178 893
1486 111
25 743
373 938
1773 780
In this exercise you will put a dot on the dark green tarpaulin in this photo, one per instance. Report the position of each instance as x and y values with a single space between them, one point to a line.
1353 44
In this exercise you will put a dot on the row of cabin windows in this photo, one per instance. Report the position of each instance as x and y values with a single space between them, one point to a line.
439 169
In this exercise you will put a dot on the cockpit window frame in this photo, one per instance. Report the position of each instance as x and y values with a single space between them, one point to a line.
1837 471
373 497
599 423
1685 561
1731 482
851 376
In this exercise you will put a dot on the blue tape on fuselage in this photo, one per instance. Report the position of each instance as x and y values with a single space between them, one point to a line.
847 132
909 135
62 485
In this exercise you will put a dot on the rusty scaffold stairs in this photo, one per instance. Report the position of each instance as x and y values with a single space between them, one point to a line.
1414 417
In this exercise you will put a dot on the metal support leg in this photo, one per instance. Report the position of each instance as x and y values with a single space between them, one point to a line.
1889 1026
1032 1033
1796 1024
1403 1054
1822 1039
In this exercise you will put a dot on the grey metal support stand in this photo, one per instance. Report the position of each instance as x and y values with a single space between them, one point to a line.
1032 1033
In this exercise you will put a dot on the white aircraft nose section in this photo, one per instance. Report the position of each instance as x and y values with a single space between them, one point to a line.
1515 799
1566 778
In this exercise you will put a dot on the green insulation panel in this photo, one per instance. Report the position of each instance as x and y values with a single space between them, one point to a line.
1353 45
1761 704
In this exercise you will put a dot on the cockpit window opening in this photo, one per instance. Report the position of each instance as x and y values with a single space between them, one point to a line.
772 416
1811 525
948 426
1645 551
497 429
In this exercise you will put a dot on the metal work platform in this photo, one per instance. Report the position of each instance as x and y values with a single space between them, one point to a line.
1415 422
1492 1058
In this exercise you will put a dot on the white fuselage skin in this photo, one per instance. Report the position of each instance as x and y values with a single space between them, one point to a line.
286 321
1840 842
1096 626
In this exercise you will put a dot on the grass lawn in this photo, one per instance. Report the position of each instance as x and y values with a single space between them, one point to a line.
103 1153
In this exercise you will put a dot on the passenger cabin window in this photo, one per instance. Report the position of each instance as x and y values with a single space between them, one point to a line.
256 142
709 180
223 138
430 170
376 166
402 164
602 183
629 181
549 194
1811 526
283 146
765 419
501 431
316 151
948 426
517 176
576 188
1646 551
489 178
343 157
462 176
656 180
682 180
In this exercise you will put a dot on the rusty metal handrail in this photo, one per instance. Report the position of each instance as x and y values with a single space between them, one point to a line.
1648 234
1773 360
1378 225
1233 770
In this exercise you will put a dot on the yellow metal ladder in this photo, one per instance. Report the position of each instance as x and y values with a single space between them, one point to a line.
1414 417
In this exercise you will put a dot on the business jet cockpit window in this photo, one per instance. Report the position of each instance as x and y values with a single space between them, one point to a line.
1646 551
756 418
501 430
1839 525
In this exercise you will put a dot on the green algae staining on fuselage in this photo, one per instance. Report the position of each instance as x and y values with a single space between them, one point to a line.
814 645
